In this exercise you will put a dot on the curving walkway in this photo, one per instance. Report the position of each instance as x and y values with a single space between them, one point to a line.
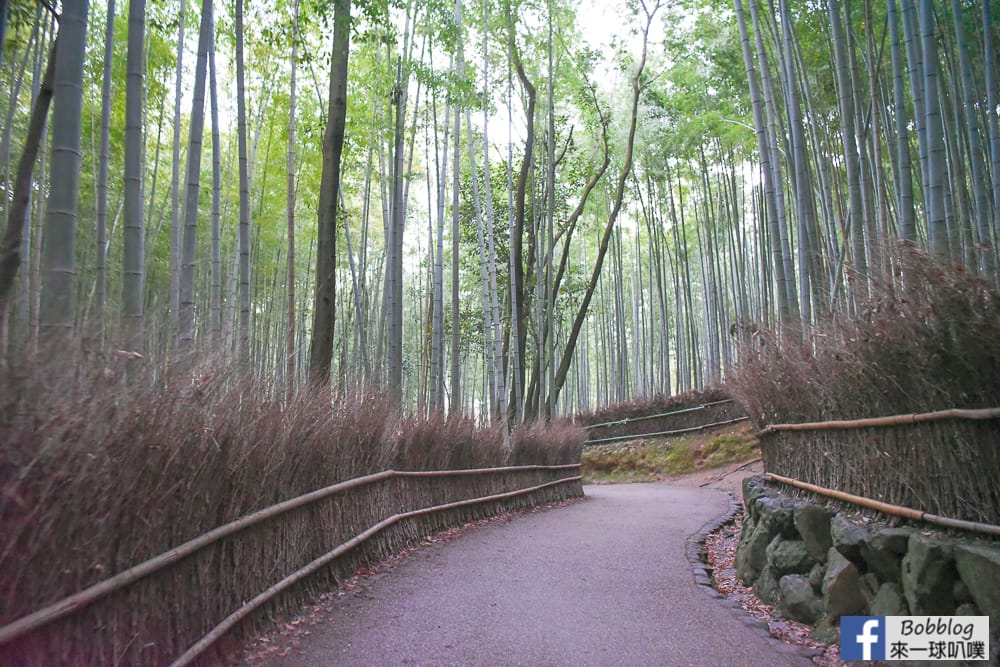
600 582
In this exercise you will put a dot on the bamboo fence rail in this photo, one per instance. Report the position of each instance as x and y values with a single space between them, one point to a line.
894 420
907 467
888 508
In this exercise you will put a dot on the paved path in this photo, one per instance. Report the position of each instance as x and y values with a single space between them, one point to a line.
600 582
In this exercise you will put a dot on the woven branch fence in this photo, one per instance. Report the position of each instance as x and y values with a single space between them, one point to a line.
945 463
673 415
147 614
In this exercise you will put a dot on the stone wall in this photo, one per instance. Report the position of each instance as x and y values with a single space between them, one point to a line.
815 565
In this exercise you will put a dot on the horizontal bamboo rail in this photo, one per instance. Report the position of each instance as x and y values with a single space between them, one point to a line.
887 508
895 420
629 420
679 431
82 599
227 624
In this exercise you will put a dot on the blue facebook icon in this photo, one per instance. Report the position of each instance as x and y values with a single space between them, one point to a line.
862 637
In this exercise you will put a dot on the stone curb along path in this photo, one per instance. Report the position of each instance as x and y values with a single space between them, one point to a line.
696 545
604 582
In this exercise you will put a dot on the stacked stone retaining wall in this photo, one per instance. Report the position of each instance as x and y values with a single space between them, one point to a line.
815 564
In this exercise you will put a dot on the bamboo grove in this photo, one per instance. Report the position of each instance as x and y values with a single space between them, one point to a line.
506 207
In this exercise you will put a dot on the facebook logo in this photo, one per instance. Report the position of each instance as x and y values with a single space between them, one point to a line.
862 637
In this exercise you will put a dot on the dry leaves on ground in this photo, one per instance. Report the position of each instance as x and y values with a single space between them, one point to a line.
720 552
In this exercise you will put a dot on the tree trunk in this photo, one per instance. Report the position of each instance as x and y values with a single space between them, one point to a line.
133 252
774 122
10 250
437 303
980 178
243 240
802 178
175 181
215 293
581 314
58 298
13 106
845 97
937 229
102 182
767 170
290 213
186 323
519 302
500 385
394 252
455 406
324 309
904 188
484 278
992 122
39 62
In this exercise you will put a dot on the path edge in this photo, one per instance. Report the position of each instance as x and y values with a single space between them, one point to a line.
696 551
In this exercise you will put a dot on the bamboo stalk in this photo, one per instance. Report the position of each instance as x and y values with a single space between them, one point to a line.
88 596
895 420
977 526
218 631
665 433
887 508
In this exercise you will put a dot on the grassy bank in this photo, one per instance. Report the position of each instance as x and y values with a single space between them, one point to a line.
652 459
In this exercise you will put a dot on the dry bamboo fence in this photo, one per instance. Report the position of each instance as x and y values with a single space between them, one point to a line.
138 617
655 434
894 420
631 420
946 462
680 414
